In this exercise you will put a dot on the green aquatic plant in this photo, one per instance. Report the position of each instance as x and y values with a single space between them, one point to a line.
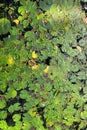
5 26
43 69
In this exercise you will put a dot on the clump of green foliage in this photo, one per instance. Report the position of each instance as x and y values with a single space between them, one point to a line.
43 74
5 25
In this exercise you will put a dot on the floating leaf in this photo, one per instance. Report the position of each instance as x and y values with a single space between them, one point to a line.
81 75
74 68
3 125
16 117
84 115
25 23
45 5
35 67
46 69
24 94
14 93
5 26
79 48
30 36
10 60
3 114
14 107
2 104
16 21
31 62
14 31
34 55
21 10
85 20
26 125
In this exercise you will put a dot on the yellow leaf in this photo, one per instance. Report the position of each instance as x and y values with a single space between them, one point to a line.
10 61
79 48
46 69
35 67
16 21
34 55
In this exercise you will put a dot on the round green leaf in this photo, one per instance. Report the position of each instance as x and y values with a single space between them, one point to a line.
5 25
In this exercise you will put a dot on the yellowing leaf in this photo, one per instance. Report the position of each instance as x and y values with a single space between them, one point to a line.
16 21
35 67
55 47
79 48
25 125
34 55
85 20
66 28
46 69
14 93
25 15
49 122
10 61
32 112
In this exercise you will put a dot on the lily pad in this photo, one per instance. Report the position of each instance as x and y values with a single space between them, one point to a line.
45 5
5 26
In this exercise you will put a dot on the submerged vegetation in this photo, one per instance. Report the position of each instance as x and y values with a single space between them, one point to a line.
43 65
